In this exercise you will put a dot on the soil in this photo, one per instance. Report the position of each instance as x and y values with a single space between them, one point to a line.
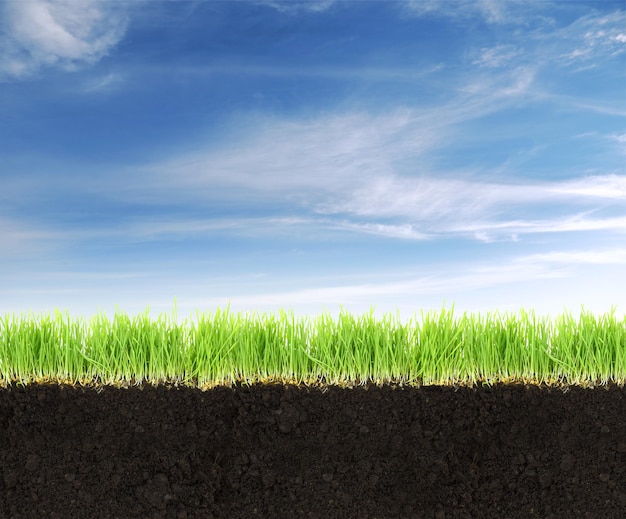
286 451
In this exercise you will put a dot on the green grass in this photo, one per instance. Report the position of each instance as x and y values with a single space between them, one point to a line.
225 348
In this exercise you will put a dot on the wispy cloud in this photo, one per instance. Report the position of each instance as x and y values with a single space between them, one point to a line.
349 72
257 227
277 153
401 231
360 173
409 292
481 229
18 239
106 83
296 6
436 199
332 153
612 187
497 56
472 279
599 257
371 173
479 283
595 37
578 46
490 231
491 11
61 33
295 160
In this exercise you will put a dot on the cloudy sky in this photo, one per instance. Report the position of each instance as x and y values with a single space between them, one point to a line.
312 155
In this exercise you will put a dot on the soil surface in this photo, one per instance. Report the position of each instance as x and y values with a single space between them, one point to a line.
281 451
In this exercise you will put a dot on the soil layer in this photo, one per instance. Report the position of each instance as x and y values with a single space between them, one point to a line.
281 451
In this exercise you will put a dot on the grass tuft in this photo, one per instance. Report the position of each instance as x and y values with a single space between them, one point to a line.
226 348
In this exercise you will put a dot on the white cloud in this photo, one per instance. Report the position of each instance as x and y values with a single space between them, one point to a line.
330 153
437 202
490 230
491 11
102 84
297 160
63 33
593 37
402 231
295 6
390 73
611 187
600 257
547 283
359 173
581 44
576 103
156 229
473 278
491 91
369 174
498 56
407 209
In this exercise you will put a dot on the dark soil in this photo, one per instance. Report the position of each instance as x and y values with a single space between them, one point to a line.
276 451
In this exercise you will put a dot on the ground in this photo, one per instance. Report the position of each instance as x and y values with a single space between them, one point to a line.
282 451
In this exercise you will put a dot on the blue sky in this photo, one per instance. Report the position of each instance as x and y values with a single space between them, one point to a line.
312 155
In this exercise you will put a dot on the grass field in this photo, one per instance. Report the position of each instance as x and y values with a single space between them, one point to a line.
223 348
